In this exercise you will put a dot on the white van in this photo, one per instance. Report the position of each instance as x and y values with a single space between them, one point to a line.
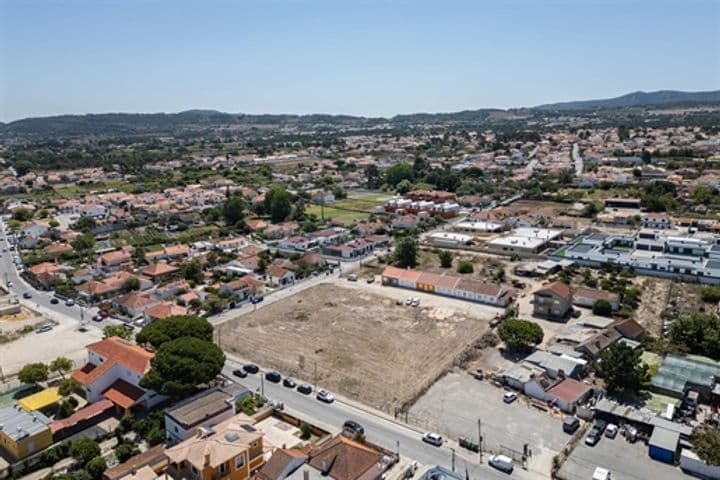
501 462
601 474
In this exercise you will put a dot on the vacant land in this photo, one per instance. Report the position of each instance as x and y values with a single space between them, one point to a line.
654 298
339 214
364 344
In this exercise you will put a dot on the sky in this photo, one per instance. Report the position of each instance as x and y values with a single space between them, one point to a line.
360 57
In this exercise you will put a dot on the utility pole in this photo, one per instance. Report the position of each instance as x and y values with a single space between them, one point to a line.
262 385
480 439
316 377
453 459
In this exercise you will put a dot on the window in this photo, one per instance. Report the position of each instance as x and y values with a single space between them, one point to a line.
239 461
223 469
194 470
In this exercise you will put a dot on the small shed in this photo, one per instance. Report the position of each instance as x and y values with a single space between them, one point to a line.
664 445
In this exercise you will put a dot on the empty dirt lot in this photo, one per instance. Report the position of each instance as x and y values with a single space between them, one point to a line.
366 346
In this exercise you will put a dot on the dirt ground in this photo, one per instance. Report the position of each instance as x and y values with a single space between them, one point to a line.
654 298
365 345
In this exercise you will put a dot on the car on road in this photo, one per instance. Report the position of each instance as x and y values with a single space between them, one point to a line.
325 396
251 368
305 389
97 318
432 439
289 382
611 430
54 301
354 427
408 301
352 277
257 299
501 462
10 284
27 295
69 302
273 376
570 425
509 397
415 302
239 372
370 280
44 328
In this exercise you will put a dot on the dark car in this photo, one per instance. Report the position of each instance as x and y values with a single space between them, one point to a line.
354 427
251 368
273 376
54 301
27 295
239 372
570 425
289 382
305 389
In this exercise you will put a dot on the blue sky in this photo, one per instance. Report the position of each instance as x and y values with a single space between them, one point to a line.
355 57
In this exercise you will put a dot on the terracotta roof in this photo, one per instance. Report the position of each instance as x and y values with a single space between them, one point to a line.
596 294
86 413
481 288
569 390
165 310
134 300
45 267
447 281
276 270
558 289
629 328
401 274
160 268
344 459
281 458
114 350
153 456
123 394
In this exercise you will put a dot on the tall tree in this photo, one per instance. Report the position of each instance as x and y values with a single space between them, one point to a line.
61 365
706 443
622 368
33 373
520 335
171 328
406 252
278 204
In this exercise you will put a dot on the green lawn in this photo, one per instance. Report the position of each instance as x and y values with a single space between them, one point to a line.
335 214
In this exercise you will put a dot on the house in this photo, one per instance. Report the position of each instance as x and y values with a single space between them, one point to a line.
341 458
232 450
157 272
109 286
657 221
113 371
203 410
311 259
164 310
231 244
586 297
349 250
630 329
296 243
35 228
283 463
404 222
556 366
565 393
553 301
242 287
47 273
147 465
174 252
134 303
23 433
279 276
592 347
93 210
114 260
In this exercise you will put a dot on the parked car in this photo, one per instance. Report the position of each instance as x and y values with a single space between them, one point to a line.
289 382
305 389
354 427
69 302
601 474
509 397
596 433
408 301
97 318
352 277
257 299
415 302
611 430
251 368
54 301
44 328
239 372
501 462
27 295
478 374
273 376
325 396
575 313
432 439
570 425
370 279
10 283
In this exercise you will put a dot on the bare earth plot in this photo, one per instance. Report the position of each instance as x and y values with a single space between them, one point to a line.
366 346
654 298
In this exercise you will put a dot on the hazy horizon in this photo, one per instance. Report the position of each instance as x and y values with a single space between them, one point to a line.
367 58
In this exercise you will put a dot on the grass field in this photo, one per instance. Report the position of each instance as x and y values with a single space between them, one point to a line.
361 200
344 216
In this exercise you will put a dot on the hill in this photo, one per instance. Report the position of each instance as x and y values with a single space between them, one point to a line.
639 99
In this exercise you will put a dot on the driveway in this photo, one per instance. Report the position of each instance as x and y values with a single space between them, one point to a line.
455 403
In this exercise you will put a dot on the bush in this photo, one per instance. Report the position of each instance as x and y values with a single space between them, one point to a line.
520 335
84 449
305 430
96 467
249 404
465 266
124 452
446 259
602 307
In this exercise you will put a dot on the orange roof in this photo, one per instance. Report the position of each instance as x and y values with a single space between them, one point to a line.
165 310
86 413
45 267
114 350
558 289
437 280
401 274
123 394
161 268
343 459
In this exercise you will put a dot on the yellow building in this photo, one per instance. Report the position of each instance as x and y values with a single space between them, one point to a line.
231 450
23 433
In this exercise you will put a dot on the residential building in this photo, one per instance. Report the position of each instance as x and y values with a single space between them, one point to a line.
553 301
113 371
586 297
164 310
279 276
232 450
158 272
23 433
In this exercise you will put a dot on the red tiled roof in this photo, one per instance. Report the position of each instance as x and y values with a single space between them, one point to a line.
159 269
123 394
83 414
569 390
344 459
115 350
165 310
558 289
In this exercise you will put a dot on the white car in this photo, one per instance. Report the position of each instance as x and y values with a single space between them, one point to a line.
611 430
432 439
408 301
325 396
501 462
415 302
509 397
601 474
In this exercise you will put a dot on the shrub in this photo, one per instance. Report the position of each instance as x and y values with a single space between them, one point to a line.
465 266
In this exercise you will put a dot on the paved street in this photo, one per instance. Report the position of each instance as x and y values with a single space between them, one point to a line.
456 402
380 428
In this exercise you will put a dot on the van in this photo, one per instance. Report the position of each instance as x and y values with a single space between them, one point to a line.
501 462
570 425
601 474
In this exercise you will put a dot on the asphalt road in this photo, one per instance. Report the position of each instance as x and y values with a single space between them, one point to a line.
379 428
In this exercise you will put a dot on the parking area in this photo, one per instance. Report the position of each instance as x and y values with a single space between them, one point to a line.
454 404
629 461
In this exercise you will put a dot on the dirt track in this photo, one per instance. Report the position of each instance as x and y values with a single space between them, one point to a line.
366 346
